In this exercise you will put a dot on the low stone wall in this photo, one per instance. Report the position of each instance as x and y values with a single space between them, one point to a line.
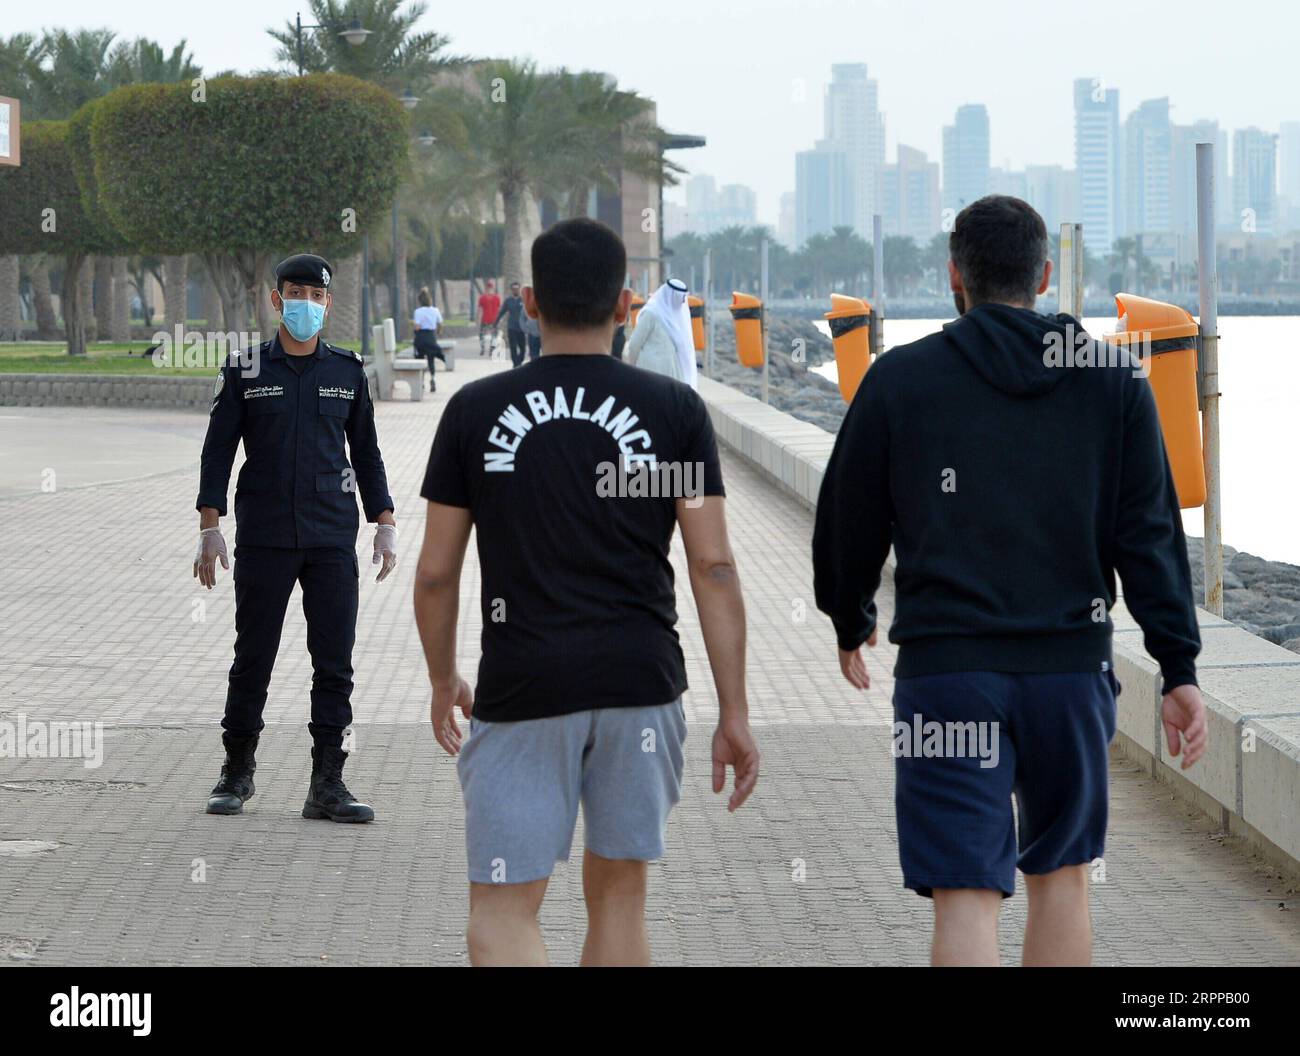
1248 780
163 392
106 390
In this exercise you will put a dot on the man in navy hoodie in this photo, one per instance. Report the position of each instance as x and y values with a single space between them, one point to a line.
1012 489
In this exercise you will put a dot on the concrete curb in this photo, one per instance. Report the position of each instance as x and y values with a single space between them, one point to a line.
167 392
1249 779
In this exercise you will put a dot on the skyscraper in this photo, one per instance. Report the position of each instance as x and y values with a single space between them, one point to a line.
785 224
966 157
1097 160
855 127
909 196
1254 180
1052 190
823 191
1182 177
1148 147
1289 184
710 208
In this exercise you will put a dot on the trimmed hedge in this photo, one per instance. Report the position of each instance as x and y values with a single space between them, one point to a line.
45 180
262 163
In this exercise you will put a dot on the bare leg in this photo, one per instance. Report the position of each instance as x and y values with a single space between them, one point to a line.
503 928
1059 929
615 894
965 928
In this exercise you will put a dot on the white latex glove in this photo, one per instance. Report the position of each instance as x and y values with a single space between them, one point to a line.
212 545
385 549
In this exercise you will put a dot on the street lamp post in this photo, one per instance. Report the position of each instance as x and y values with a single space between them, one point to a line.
355 35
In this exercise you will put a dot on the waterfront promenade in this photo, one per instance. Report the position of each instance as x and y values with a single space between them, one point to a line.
119 864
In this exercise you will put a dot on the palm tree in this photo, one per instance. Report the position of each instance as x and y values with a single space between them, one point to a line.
515 123
142 61
902 261
393 55
73 69
735 257
611 133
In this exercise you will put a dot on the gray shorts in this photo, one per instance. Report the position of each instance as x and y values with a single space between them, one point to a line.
522 782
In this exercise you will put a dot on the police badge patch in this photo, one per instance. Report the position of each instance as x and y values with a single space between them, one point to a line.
216 392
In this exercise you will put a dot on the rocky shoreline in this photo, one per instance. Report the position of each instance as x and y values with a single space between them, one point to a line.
1260 596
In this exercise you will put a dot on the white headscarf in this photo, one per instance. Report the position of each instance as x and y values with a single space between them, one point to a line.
668 305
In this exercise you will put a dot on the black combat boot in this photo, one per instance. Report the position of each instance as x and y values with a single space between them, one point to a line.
236 784
328 796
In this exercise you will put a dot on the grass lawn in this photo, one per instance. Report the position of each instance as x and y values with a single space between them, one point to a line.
51 357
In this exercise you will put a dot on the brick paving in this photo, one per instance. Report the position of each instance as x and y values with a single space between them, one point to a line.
118 864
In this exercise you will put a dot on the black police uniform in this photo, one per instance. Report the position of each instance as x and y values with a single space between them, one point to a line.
295 517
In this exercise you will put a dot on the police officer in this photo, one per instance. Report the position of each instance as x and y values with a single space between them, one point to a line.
294 403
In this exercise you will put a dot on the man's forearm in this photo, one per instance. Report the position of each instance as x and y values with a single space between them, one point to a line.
209 517
437 606
722 620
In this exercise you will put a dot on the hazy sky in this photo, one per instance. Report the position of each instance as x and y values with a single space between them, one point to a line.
749 75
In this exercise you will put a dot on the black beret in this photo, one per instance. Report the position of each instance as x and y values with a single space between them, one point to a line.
305 268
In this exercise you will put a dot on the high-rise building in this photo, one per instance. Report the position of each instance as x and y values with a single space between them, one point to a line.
855 128
966 157
823 182
1254 180
1288 145
785 224
1012 182
701 193
1148 154
1053 190
1097 160
1182 177
737 205
710 208
909 196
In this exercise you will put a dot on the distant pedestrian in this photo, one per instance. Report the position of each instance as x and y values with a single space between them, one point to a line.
489 307
1012 491
533 333
662 341
512 315
428 323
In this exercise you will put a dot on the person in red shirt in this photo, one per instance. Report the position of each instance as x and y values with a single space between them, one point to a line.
489 307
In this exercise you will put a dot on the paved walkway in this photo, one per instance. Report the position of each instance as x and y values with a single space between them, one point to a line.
118 864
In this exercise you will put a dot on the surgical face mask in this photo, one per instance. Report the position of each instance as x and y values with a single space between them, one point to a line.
303 319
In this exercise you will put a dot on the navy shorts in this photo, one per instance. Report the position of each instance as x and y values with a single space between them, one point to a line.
966 743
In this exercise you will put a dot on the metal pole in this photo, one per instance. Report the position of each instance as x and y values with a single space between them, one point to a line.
365 295
1078 271
708 313
298 33
397 283
1208 272
762 296
877 336
1065 280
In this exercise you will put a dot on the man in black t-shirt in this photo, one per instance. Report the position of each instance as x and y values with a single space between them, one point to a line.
574 470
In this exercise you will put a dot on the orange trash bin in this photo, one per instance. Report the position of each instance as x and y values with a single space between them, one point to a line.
850 320
1165 336
747 311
